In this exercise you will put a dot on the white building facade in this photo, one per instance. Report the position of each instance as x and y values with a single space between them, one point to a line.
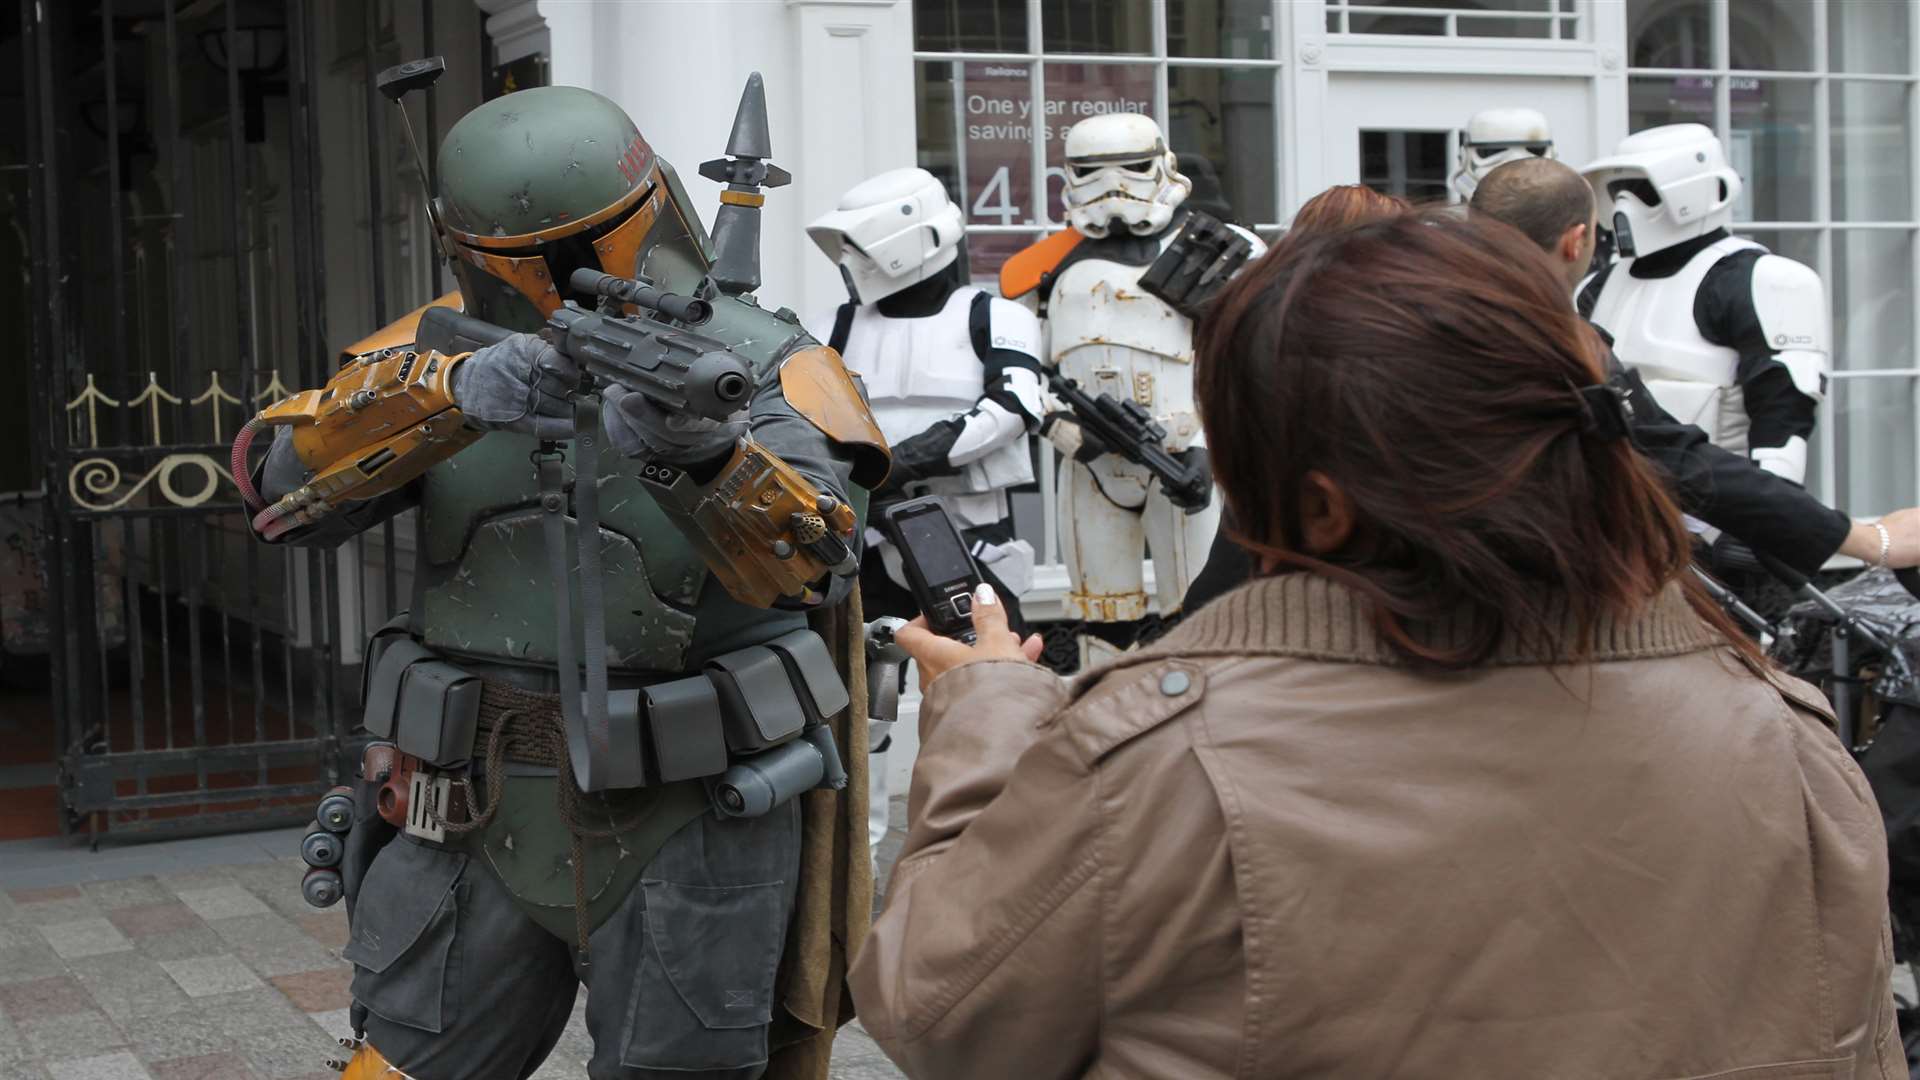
1270 101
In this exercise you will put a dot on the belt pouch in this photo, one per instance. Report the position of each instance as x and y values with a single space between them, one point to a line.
758 704
439 712
683 722
811 670
385 674
393 630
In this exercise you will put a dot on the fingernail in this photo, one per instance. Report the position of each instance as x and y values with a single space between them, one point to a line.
983 596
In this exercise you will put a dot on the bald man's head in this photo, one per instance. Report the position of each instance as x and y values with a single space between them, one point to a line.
1545 200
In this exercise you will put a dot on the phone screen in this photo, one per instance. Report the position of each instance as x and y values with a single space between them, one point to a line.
935 547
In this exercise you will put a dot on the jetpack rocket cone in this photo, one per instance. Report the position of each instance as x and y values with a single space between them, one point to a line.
746 171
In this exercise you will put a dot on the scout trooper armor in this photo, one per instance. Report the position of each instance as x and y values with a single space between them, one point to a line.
1495 137
953 377
1727 336
1112 335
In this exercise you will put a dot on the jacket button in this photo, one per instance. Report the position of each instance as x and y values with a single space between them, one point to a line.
1175 683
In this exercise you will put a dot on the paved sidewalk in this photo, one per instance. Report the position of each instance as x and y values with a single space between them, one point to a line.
195 960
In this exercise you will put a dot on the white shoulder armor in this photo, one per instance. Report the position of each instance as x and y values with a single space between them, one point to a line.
1791 305
1012 325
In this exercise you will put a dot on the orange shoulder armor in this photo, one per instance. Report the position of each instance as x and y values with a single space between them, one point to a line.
400 332
1029 266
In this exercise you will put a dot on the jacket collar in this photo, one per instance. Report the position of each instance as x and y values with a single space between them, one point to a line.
1304 615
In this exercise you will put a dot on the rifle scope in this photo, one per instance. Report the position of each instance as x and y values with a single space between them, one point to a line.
687 309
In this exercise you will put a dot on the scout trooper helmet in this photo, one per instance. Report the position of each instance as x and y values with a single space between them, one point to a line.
1120 170
1665 185
894 230
1495 137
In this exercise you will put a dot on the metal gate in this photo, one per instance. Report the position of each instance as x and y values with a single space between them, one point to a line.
176 285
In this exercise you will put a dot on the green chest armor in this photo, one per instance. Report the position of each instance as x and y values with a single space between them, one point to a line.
486 589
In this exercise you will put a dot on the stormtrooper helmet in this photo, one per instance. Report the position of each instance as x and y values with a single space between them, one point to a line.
1666 185
1495 137
1120 170
889 232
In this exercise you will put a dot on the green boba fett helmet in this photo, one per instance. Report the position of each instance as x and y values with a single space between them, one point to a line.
540 183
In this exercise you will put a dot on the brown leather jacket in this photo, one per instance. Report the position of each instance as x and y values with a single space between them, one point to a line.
1262 848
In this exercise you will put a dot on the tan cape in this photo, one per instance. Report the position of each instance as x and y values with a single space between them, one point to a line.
834 906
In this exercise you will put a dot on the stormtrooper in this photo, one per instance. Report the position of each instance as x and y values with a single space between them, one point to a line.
1726 335
1118 292
953 379
1495 137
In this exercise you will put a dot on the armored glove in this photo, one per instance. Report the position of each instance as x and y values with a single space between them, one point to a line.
640 429
520 385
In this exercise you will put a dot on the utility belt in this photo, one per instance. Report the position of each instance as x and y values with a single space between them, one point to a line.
750 723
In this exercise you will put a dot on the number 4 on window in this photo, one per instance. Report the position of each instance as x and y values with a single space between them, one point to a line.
996 199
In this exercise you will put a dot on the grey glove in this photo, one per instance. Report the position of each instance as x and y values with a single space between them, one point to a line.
521 385
640 429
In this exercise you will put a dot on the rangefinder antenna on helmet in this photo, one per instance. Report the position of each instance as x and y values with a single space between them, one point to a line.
745 170
395 83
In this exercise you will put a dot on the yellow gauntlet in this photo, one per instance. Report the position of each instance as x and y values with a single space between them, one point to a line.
384 418
763 529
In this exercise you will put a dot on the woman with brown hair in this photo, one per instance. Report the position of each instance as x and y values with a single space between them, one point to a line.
1468 783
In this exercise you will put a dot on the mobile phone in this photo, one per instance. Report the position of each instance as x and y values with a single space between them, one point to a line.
939 570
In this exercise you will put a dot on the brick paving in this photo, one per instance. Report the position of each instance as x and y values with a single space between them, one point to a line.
214 972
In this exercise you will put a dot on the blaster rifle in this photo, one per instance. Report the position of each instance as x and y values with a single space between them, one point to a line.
678 369
1111 426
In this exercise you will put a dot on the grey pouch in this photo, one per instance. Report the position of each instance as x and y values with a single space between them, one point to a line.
683 725
439 712
393 631
811 668
384 676
759 706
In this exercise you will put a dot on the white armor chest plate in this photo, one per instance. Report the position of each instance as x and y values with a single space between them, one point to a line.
1655 333
1112 336
917 371
1652 323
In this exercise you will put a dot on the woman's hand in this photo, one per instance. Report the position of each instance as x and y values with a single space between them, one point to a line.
936 655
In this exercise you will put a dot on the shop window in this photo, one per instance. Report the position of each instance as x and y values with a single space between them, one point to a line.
1653 100
1235 29
1872 286
998 26
1220 123
1772 145
1871 145
1097 26
1670 33
1873 443
1411 164
1869 38
1771 35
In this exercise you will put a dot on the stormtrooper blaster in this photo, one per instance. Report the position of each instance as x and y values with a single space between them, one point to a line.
639 339
1111 426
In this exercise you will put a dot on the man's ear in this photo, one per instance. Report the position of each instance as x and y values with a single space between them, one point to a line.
1326 514
1572 243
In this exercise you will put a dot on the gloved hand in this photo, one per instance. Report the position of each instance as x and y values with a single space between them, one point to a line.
640 429
520 385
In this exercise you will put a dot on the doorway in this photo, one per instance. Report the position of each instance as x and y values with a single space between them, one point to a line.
1400 134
